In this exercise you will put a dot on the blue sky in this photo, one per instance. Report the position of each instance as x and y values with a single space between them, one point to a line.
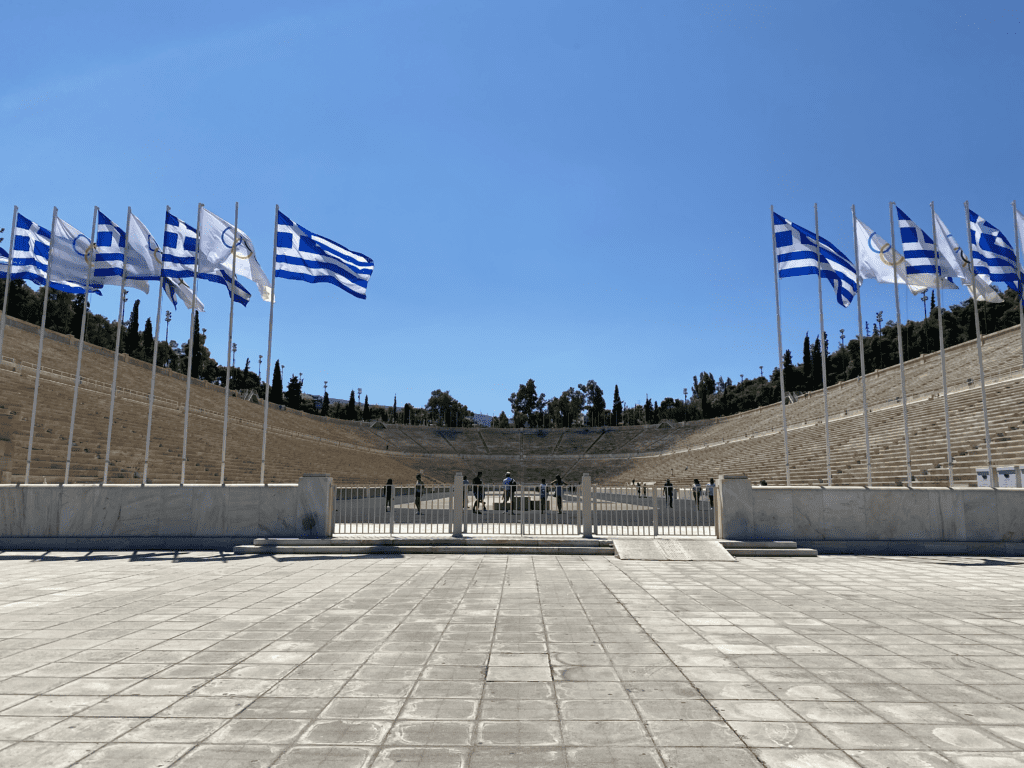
560 191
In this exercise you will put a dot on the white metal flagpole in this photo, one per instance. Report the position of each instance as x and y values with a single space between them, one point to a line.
270 336
7 282
191 341
81 343
1020 288
824 357
778 328
977 329
227 366
860 336
942 346
117 344
156 353
896 258
39 356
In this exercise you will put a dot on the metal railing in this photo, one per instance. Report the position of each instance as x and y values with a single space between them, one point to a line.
521 509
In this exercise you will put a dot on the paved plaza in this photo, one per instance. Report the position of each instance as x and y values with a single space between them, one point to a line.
200 659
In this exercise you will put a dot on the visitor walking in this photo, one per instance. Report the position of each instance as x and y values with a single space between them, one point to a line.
419 490
478 493
668 492
558 492
711 494
543 495
695 489
508 482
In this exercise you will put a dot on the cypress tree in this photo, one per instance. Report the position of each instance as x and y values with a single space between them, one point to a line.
616 406
394 410
277 386
366 409
131 341
147 341
293 397
325 409
808 365
350 412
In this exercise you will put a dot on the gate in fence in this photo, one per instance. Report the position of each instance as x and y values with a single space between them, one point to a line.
521 509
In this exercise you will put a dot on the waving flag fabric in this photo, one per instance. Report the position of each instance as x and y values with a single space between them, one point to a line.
223 277
953 257
303 255
179 248
797 255
920 256
875 257
176 288
215 239
111 255
994 259
30 258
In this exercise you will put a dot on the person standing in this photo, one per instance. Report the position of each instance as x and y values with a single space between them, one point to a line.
419 491
695 490
478 493
508 482
543 495
668 492
558 492
387 495
711 494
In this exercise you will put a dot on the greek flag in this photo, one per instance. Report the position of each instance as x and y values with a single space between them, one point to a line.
223 277
994 259
179 248
953 257
175 287
797 255
30 259
111 254
303 255
919 255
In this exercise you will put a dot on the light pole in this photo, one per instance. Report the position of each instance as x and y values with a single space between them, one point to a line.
259 371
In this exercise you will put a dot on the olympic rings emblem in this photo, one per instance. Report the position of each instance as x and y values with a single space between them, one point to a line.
229 241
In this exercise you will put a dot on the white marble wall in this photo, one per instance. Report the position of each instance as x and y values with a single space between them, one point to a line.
819 513
168 510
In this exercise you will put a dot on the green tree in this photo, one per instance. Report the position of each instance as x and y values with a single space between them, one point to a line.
131 339
366 409
60 313
394 410
616 406
147 341
526 405
293 397
277 386
443 408
503 421
594 400
325 408
350 412
407 413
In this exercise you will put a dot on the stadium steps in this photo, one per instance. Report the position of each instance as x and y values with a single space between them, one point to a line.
428 546
766 549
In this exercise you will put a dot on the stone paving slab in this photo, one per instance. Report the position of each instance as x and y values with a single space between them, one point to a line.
199 659
649 548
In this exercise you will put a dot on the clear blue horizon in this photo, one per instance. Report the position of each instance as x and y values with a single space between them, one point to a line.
558 191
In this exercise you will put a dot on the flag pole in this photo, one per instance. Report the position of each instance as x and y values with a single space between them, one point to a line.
156 354
7 282
977 329
39 356
860 336
824 357
942 346
117 344
81 342
191 341
270 336
899 344
778 328
227 367
1020 288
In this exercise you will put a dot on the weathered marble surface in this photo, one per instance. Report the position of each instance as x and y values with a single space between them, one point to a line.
168 510
872 514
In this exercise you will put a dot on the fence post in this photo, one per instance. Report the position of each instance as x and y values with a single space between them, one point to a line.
458 505
654 500
587 512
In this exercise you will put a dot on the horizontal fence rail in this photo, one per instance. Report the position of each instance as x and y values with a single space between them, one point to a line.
522 509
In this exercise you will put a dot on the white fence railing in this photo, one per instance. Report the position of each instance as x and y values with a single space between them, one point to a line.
522 509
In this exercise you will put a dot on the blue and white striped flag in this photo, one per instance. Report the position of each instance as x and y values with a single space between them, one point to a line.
175 287
303 255
111 253
30 259
797 255
223 277
919 255
994 259
179 248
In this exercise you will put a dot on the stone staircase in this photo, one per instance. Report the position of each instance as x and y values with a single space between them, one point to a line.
766 549
429 545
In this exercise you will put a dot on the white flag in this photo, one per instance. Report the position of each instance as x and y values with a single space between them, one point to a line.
215 240
70 255
176 288
875 256
952 257
143 254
